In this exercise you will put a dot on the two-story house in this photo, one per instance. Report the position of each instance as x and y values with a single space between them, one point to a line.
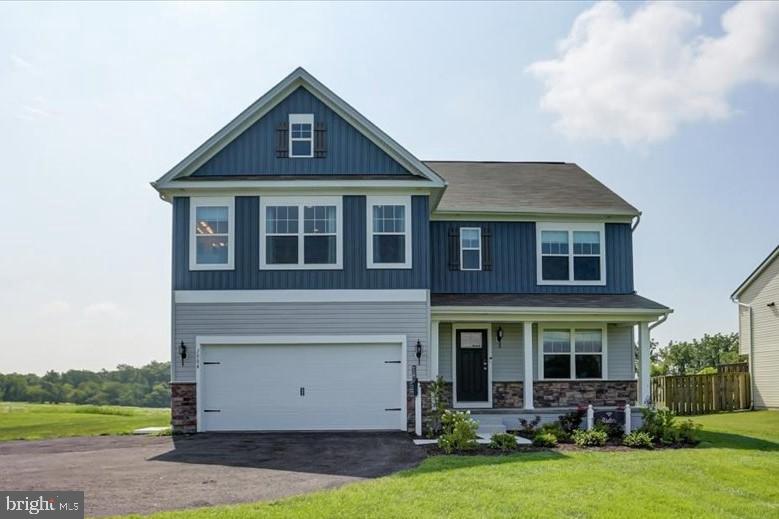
323 276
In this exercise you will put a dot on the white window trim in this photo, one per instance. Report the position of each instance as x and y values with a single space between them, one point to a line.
471 326
301 119
372 201
194 203
301 202
572 330
477 229
570 228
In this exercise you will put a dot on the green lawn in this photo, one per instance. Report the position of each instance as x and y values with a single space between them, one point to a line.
733 473
22 421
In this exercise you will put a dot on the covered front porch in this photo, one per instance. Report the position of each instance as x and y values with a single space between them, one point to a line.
505 356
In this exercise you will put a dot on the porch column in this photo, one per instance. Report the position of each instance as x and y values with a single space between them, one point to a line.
433 349
644 395
527 346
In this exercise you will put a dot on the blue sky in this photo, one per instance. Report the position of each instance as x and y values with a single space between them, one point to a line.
675 111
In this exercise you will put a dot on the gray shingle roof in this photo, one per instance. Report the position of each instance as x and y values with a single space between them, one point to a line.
606 301
525 187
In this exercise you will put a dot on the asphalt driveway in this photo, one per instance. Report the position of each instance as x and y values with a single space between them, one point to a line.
126 474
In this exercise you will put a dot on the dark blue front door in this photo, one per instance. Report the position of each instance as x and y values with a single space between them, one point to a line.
471 365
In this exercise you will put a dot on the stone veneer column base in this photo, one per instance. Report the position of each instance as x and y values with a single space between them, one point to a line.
183 407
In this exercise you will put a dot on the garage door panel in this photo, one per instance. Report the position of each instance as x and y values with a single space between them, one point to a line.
258 387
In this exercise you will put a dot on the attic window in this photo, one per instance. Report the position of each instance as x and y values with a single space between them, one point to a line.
301 135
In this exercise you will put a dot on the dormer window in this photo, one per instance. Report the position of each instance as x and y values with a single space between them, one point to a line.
301 135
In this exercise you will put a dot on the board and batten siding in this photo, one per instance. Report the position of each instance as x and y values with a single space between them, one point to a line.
514 261
508 360
253 153
765 336
242 319
354 275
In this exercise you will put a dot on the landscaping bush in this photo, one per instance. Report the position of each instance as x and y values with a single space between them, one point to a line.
639 440
573 420
557 430
592 438
610 424
503 442
545 439
529 428
661 424
459 431
437 401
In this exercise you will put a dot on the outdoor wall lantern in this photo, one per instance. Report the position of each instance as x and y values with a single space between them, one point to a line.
500 336
182 352
419 352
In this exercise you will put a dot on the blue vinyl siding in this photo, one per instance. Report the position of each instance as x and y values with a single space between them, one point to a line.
349 152
354 275
514 262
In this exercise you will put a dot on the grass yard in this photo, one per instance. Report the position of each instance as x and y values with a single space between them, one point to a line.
733 473
23 421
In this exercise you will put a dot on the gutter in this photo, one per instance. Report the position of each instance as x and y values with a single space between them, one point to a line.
751 344
635 225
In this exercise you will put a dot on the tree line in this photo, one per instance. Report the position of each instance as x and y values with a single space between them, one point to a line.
147 386
696 356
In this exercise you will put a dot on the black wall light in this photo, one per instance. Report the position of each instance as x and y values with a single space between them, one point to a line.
182 352
419 352
500 336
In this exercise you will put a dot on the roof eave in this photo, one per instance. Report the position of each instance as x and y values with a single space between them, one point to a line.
755 273
536 212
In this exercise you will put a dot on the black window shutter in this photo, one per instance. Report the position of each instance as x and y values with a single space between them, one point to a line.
282 141
320 141
454 248
486 248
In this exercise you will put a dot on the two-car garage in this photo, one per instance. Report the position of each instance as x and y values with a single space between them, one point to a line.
284 383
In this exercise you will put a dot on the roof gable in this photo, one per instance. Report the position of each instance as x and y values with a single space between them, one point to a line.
756 273
232 150
253 152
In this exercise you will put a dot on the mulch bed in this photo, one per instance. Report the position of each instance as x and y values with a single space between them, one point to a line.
485 450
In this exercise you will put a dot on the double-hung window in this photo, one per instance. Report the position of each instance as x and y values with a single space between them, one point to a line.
570 254
300 233
573 353
470 248
389 232
301 135
211 233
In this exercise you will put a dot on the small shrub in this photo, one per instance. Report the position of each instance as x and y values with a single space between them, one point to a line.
592 438
614 431
688 432
529 428
639 440
503 442
438 403
557 430
545 439
572 421
459 431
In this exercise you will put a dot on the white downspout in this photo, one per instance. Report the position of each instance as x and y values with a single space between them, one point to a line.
751 347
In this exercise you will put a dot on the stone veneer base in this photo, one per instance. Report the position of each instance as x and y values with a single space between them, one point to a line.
183 407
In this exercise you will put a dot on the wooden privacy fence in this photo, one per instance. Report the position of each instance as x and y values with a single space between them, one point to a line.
699 394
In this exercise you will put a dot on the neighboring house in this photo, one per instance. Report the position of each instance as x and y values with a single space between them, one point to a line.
320 270
758 329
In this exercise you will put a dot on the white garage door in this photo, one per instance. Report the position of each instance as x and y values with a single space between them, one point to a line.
276 387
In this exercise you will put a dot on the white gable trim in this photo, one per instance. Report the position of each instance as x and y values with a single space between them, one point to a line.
299 77
755 273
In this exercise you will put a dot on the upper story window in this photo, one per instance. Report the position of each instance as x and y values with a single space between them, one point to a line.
470 248
573 353
389 232
301 135
300 233
570 254
211 233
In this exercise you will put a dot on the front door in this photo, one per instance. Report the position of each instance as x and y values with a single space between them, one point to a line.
472 366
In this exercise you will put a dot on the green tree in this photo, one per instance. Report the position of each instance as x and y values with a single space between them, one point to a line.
689 357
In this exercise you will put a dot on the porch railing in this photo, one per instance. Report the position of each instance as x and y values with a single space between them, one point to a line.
700 394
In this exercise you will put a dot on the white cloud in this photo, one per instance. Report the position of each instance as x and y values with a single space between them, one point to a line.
637 78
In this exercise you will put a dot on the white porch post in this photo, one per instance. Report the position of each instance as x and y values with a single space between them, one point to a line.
433 349
527 346
644 395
